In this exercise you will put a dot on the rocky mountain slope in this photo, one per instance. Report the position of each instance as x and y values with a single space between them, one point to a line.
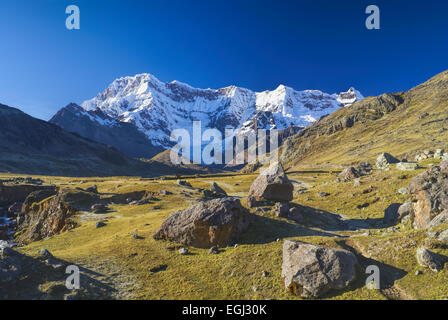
156 108
33 146
403 124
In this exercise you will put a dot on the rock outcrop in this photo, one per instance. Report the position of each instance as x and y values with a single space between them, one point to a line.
311 271
429 195
217 222
272 184
46 218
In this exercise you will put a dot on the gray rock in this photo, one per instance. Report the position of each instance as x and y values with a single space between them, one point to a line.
403 191
45 254
439 219
407 166
323 194
217 189
429 193
184 183
281 210
99 224
311 271
439 153
272 184
214 250
217 222
443 236
405 210
430 259
384 160
183 251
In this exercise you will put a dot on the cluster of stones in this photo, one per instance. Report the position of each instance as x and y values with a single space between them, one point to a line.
428 154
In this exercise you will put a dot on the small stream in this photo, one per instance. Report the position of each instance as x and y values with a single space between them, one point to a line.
8 223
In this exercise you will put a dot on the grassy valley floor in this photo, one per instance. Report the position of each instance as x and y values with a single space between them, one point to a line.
113 256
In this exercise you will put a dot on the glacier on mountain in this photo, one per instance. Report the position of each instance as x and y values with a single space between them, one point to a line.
157 108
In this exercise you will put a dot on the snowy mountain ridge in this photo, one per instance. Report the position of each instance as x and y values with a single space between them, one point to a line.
156 108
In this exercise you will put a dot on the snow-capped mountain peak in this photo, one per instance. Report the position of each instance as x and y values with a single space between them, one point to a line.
156 108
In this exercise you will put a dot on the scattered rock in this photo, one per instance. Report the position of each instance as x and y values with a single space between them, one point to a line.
281 210
384 160
45 254
439 219
443 236
405 210
159 268
403 191
183 251
272 184
164 193
254 288
323 194
429 194
364 168
264 274
407 166
349 174
214 250
207 223
311 271
439 153
100 224
430 259
183 183
99 208
93 189
217 189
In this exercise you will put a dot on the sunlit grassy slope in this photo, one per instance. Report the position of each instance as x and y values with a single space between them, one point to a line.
401 124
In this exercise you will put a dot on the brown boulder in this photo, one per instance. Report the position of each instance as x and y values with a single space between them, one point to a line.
272 184
48 217
349 174
429 194
217 222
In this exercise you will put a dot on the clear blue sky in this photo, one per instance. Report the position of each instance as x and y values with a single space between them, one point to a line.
257 44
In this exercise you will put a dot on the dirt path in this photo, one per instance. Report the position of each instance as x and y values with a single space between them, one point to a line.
388 274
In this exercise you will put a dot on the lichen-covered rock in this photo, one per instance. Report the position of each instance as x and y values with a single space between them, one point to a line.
311 271
217 222
429 194
272 184
47 218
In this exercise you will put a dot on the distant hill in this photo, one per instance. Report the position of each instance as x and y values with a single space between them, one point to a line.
32 146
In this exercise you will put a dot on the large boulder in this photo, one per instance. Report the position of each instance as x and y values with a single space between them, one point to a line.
349 173
217 222
429 194
311 271
384 160
272 184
